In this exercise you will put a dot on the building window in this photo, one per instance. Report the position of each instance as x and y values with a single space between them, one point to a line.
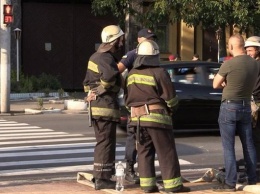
162 34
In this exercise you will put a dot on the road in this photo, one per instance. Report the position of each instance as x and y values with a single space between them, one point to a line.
57 146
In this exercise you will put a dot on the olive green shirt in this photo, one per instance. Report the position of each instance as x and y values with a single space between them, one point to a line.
240 74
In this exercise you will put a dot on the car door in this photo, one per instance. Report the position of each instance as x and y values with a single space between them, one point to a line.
198 106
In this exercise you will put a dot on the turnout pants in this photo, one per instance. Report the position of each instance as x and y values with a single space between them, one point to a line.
130 152
104 154
162 142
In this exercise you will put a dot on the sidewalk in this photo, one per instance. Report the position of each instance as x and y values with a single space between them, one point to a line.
72 187
18 107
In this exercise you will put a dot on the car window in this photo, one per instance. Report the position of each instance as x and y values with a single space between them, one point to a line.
186 75
210 74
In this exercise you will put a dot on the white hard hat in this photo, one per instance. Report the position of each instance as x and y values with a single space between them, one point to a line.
111 33
148 47
253 41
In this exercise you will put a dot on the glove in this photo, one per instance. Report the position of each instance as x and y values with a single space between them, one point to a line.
98 90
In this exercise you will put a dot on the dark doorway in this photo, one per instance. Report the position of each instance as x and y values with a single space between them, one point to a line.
210 45
58 39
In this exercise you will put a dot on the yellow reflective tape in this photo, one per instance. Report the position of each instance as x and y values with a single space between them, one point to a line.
107 84
93 66
155 117
86 88
173 102
141 79
147 182
172 183
96 111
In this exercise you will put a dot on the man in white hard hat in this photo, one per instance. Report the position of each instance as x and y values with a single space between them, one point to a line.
252 46
103 82
152 99
127 62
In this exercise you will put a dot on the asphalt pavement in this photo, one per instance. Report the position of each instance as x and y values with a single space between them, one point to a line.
72 186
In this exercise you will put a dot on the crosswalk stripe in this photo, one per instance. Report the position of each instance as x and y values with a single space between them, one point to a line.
5 122
20 127
53 152
32 134
38 147
51 161
24 130
47 140
42 136
12 124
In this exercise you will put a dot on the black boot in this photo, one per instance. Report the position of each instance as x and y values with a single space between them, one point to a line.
104 184
130 174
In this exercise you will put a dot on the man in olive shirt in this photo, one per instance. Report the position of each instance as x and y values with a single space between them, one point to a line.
237 77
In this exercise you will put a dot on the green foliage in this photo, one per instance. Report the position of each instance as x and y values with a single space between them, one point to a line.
42 83
210 13
40 103
61 93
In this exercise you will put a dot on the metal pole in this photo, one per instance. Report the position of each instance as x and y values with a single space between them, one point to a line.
218 51
17 56
17 34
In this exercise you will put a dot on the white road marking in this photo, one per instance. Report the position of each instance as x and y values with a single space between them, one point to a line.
12 124
38 147
27 127
32 134
47 140
43 136
52 152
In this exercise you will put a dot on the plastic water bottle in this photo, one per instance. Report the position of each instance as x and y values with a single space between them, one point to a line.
120 176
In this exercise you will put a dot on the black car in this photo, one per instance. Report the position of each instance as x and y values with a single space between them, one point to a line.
198 102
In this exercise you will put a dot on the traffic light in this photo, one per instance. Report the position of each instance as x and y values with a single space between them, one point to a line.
8 14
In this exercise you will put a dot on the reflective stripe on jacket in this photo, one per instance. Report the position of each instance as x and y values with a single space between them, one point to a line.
151 85
102 70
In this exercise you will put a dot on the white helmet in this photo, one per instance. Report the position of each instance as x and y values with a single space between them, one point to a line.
253 41
111 33
147 47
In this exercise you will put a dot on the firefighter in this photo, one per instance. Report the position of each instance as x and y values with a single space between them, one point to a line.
103 82
151 99
252 46
127 62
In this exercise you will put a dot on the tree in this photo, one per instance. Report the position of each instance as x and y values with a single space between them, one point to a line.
209 13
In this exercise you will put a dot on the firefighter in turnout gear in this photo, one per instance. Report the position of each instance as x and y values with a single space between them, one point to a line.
103 82
151 98
252 46
127 62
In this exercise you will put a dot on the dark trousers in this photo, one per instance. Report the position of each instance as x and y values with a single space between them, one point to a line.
104 154
256 137
161 142
130 150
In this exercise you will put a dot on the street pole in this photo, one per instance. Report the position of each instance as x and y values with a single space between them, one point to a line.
218 37
5 40
17 33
